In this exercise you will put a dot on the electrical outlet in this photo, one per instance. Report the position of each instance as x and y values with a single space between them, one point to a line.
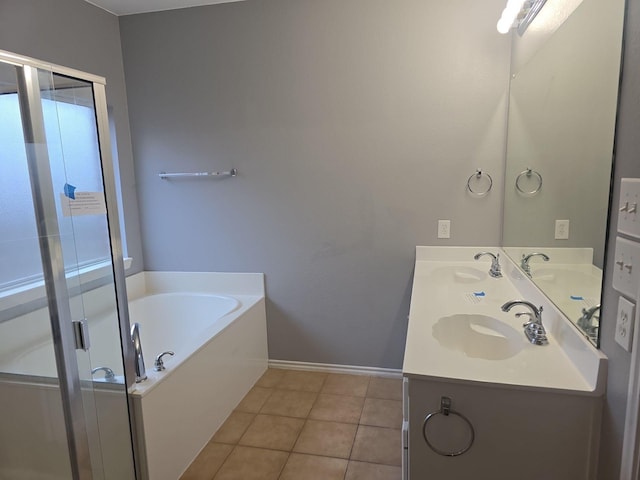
626 268
444 228
624 323
562 230
628 220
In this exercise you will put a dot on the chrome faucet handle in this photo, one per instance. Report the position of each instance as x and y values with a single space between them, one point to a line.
159 364
495 271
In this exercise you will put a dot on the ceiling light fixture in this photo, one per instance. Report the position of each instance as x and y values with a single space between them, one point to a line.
519 14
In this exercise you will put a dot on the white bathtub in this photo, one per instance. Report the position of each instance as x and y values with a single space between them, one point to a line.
215 323
216 326
181 322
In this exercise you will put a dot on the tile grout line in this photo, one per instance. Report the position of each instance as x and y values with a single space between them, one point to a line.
223 462
318 393
358 427
283 466
301 429
306 420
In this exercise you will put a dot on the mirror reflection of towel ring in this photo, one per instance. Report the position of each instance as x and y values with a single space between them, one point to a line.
445 409
529 174
476 178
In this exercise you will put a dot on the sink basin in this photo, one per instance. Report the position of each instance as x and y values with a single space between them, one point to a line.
460 274
479 336
561 283
563 276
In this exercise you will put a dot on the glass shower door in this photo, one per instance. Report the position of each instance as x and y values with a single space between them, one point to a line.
61 363
33 442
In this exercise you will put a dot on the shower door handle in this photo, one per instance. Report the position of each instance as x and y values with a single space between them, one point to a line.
81 334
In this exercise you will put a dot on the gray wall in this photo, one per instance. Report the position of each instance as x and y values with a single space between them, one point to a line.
626 165
335 191
76 34
354 125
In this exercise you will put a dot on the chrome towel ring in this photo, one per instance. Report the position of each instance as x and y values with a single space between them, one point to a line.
532 176
445 409
477 180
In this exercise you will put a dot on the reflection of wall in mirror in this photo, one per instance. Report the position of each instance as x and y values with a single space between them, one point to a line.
561 124
548 20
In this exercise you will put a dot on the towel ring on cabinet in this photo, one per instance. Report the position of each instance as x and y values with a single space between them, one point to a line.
528 173
476 178
445 409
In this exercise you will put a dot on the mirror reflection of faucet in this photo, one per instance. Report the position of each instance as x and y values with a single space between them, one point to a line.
586 323
524 263
495 270
533 329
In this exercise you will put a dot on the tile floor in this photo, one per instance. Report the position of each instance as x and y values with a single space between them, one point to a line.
299 425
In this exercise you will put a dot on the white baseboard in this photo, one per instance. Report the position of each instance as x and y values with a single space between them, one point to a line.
332 368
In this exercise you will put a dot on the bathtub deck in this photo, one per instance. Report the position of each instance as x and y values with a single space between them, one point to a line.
308 425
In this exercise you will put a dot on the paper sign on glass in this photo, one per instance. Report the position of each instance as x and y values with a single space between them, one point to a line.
84 203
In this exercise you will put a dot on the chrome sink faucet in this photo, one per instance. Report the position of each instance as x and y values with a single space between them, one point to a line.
495 270
524 263
533 329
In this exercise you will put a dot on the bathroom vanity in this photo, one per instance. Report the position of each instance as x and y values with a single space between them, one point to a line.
481 400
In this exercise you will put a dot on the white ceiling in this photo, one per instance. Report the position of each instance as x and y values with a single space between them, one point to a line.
128 7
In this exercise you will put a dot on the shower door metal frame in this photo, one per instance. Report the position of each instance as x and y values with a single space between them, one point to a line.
51 250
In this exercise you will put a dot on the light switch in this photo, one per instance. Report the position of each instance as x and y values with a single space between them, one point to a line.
626 267
628 219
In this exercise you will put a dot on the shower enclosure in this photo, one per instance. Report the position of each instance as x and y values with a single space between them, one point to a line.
64 409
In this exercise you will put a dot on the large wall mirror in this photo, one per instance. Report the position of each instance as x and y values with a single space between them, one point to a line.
565 72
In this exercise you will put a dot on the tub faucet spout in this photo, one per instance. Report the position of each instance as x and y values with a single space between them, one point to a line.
141 372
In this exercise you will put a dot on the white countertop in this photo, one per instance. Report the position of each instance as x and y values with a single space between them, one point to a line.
568 363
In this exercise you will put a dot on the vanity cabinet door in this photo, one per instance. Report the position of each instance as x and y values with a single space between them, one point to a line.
518 433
